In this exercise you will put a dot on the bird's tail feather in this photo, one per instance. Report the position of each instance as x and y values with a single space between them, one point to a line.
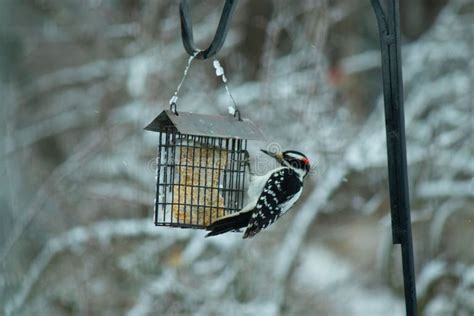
228 223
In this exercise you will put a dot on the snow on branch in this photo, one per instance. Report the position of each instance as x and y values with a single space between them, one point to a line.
102 232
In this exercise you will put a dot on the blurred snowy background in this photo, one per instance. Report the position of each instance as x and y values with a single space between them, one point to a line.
80 80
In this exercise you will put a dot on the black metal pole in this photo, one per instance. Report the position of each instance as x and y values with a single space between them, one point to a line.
389 31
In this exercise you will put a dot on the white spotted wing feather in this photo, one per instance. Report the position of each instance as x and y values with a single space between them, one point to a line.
279 193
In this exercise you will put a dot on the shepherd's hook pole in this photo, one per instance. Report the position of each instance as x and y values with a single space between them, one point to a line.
389 32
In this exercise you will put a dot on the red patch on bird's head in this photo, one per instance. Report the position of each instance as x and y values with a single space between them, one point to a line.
306 161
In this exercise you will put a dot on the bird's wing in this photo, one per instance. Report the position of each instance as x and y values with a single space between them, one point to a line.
281 187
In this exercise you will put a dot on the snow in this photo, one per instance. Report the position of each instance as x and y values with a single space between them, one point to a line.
220 73
322 273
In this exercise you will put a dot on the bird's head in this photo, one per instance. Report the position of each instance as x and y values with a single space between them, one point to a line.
292 159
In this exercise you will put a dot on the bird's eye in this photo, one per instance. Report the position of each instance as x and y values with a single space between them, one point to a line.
295 164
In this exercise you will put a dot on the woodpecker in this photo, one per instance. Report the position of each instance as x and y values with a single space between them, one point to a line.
270 196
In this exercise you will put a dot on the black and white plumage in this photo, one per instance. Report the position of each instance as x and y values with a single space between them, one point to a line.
270 196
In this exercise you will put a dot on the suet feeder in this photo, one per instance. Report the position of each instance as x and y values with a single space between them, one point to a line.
201 167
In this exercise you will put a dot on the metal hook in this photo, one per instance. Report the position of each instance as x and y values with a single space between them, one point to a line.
237 114
173 108
219 37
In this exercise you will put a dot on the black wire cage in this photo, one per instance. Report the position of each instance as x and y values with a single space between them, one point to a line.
201 167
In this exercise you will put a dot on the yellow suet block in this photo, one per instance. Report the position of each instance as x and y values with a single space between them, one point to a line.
196 198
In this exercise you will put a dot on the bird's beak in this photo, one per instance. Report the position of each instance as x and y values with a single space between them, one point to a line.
278 156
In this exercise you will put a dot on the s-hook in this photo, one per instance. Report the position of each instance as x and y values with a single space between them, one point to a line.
219 37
